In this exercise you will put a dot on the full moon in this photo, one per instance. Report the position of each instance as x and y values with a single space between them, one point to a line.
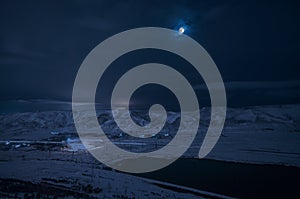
181 30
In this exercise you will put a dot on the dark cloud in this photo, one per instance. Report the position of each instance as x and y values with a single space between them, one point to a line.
247 93
42 44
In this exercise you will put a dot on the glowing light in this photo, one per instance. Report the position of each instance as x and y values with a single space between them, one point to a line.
181 30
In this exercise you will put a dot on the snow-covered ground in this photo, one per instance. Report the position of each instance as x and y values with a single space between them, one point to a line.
44 149
262 134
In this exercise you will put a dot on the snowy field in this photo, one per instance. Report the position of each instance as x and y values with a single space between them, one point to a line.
263 134
44 149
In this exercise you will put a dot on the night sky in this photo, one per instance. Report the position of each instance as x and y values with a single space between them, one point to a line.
255 45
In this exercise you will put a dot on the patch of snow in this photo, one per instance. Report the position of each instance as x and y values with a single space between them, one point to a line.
54 133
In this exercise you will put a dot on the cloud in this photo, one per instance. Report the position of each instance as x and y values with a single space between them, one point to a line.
248 93
248 85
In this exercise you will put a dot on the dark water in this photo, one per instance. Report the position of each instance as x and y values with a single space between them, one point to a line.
232 179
